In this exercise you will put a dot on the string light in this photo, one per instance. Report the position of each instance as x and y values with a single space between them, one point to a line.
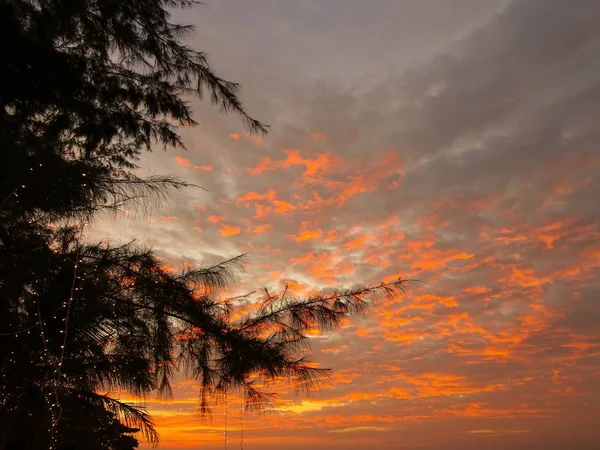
225 427
54 404
60 360
14 193
55 408
51 396
242 424
28 329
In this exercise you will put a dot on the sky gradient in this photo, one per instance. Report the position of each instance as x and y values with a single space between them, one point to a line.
454 142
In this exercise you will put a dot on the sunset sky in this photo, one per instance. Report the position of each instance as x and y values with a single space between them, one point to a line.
451 141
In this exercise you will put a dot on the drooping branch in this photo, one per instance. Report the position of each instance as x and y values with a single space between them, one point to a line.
132 416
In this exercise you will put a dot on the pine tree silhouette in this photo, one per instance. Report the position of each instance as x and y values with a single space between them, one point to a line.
87 86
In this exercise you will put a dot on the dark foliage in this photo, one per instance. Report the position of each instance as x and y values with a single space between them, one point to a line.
87 86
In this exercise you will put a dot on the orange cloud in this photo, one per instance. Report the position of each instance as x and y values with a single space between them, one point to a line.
358 241
261 228
255 196
227 230
322 164
435 259
187 163
282 206
260 203
306 232
386 173
476 290
325 267
215 219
